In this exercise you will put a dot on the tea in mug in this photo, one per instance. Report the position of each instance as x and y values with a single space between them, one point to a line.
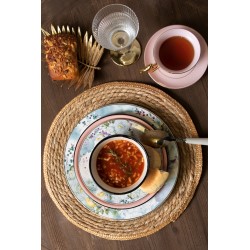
176 53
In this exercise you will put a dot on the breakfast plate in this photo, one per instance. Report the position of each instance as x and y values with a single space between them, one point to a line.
106 126
74 184
177 81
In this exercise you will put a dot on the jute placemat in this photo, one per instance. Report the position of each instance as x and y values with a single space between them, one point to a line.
170 111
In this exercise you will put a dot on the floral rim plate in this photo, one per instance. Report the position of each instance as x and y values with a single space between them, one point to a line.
185 79
106 126
113 213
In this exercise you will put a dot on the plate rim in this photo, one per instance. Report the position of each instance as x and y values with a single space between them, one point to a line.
77 168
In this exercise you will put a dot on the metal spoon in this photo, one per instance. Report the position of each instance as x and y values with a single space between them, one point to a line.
160 138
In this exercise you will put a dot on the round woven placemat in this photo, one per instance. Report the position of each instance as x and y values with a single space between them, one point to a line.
170 111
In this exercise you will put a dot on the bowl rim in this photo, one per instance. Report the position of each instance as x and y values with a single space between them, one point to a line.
146 165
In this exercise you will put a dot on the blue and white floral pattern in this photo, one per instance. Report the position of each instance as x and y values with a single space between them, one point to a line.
84 199
110 127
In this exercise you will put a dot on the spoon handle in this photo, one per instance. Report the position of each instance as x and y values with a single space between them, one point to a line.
200 141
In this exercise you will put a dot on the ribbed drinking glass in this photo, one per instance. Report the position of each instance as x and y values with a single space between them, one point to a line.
115 27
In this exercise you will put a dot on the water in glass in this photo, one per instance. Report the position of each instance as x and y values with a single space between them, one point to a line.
117 31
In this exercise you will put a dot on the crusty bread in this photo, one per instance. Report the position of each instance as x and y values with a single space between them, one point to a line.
154 180
154 157
61 56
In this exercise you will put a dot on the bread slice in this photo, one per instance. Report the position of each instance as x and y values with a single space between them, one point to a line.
154 180
154 157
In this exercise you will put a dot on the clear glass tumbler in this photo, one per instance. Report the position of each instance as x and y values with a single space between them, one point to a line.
115 27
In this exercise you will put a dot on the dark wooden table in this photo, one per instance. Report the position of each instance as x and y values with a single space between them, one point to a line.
190 231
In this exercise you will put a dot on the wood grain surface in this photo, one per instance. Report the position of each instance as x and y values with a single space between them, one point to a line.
190 231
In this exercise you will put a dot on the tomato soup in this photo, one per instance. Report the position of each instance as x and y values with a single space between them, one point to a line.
120 163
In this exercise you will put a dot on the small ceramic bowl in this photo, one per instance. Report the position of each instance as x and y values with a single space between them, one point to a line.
119 164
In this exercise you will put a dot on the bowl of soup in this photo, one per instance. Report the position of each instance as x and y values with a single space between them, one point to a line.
119 164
